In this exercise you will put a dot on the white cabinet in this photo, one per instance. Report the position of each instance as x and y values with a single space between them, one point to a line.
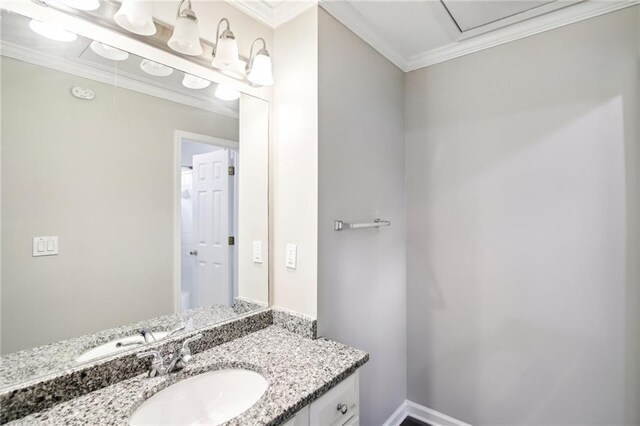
300 419
338 407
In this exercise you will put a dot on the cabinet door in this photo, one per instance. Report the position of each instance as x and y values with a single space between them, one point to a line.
339 406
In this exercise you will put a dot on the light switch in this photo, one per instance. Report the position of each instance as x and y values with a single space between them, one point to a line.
292 254
257 252
45 246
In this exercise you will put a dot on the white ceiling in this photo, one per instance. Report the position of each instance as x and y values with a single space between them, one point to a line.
473 14
417 33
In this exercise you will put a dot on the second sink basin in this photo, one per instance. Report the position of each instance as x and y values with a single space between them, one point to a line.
206 399
112 347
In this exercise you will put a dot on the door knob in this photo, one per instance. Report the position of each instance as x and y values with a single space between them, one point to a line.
193 252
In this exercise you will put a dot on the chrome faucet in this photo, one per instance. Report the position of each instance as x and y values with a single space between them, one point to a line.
175 330
148 335
178 361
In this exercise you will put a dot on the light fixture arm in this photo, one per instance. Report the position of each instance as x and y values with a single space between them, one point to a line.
187 12
251 56
225 34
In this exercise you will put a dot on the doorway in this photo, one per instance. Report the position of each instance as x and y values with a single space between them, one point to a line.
207 202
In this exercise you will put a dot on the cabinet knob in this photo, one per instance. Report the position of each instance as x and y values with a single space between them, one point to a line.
193 252
343 408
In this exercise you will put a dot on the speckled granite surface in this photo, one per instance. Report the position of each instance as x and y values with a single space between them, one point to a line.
296 323
298 370
44 360
41 393
243 305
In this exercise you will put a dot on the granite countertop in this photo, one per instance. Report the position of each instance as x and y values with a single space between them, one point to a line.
299 370
29 364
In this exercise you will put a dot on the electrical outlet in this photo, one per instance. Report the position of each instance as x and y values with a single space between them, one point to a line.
292 254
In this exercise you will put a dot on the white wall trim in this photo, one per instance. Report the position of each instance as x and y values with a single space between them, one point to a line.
554 18
288 10
398 416
349 17
550 21
273 16
422 413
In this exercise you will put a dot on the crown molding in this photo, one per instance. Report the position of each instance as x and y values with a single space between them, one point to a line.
288 10
80 69
349 17
273 16
555 16
559 18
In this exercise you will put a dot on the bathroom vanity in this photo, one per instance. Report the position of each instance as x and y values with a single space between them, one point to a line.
135 230
309 381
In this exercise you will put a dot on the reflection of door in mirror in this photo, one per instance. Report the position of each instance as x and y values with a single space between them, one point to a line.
207 206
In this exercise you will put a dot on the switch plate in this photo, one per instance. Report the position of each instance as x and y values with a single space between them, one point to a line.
292 254
45 246
257 252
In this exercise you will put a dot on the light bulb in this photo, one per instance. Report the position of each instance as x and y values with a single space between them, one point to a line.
186 37
108 52
261 72
155 69
192 82
226 93
136 16
52 32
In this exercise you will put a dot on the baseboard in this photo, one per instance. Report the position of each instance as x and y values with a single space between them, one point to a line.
398 416
422 413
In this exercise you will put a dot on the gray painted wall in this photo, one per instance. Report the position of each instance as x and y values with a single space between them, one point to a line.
99 175
361 273
523 207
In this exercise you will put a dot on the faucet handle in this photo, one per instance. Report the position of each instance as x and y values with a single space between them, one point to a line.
157 363
176 330
155 354
148 335
185 344
185 352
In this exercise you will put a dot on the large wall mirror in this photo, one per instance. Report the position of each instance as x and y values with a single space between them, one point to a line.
134 201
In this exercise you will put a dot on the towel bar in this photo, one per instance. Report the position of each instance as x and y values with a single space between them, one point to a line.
339 225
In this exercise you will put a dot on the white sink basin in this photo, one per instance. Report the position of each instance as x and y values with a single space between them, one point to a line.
206 399
111 347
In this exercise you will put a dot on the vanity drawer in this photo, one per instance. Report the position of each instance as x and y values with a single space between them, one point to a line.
325 411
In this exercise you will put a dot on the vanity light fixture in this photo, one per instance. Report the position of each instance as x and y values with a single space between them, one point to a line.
186 37
155 69
259 68
81 4
108 52
51 31
226 93
136 16
225 52
192 82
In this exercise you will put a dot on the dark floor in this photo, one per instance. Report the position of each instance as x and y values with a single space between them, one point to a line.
409 421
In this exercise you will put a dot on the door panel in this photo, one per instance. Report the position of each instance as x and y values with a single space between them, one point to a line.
211 226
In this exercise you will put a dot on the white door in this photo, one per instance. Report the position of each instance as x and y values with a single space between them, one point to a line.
211 228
